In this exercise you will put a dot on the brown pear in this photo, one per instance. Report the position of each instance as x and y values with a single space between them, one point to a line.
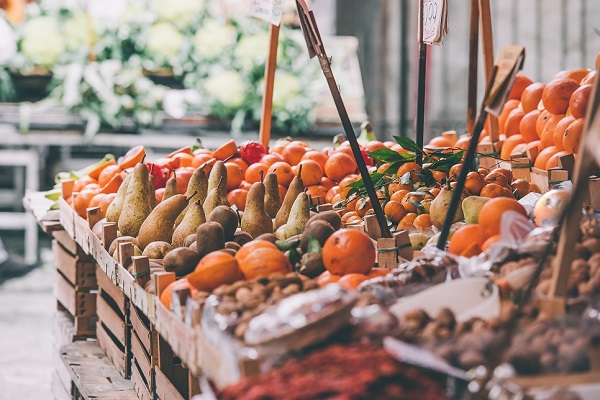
159 224
272 199
194 217
114 209
255 220
137 205
296 187
216 197
197 189
170 188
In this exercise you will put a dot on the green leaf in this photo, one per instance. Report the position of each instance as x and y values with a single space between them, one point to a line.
314 246
426 177
445 164
408 144
389 155
359 184
419 207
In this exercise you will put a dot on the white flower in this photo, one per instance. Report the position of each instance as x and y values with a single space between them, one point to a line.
164 40
213 38
252 49
42 42
227 87
77 31
286 88
180 11
8 44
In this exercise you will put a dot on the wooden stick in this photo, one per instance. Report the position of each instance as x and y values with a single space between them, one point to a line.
109 234
473 63
66 188
267 104
125 253
141 270
94 215
162 280
421 85
485 16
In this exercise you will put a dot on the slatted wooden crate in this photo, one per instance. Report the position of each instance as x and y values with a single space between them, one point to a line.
75 285
144 349
173 381
113 329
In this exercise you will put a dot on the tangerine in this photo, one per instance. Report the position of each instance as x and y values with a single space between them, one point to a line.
509 144
132 157
253 172
491 214
572 136
522 82
317 156
351 281
394 210
237 197
508 107
544 156
339 165
226 150
557 93
465 236
559 131
349 251
311 172
235 175
531 96
284 173
527 126
578 103
547 137
293 153
513 121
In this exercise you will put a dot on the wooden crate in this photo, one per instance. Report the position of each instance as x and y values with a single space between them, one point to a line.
144 349
140 386
113 329
173 381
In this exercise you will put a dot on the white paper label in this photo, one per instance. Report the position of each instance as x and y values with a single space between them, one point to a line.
435 21
268 10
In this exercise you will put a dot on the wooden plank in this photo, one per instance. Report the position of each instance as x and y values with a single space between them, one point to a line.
112 321
82 274
140 387
113 353
85 327
485 17
164 388
141 328
106 285
60 372
67 242
141 357
93 373
64 293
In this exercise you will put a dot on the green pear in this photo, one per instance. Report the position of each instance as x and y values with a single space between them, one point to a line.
216 197
439 208
113 212
194 217
272 199
151 184
296 187
471 207
299 216
170 188
217 172
159 224
255 220
197 189
137 205
418 240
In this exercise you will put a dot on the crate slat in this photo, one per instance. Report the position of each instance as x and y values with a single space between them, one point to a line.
164 388
141 357
112 321
117 356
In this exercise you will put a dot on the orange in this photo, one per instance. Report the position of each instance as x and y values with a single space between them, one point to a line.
113 185
159 194
95 173
498 178
132 157
531 96
377 272
81 183
185 159
182 177
394 210
541 121
512 122
271 158
345 148
311 172
81 202
411 167
521 83
464 237
474 182
423 223
589 79
326 278
544 156
463 142
492 190
278 147
553 161
527 126
330 193
559 131
489 242
240 163
251 247
578 74
317 156
105 202
235 175
572 136
557 93
328 183
253 172
519 150
491 214
578 103
245 185
167 295
520 188
506 172
107 174
374 145
339 165
201 159
547 137
284 173
439 141
316 191
282 191
215 269
349 251
509 144
96 200
508 107
399 195
351 281
225 151
184 149
407 223
293 153
362 207
348 215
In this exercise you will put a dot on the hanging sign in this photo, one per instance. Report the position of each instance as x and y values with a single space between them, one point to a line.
435 21
268 10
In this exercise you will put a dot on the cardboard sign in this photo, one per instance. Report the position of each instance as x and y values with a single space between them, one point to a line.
268 10
435 21
509 64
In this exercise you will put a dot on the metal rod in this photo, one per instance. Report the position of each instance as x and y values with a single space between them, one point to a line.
421 85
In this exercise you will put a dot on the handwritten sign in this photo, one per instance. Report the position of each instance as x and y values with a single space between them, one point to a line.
268 10
435 21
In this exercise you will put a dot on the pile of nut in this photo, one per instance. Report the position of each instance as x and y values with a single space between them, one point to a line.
243 300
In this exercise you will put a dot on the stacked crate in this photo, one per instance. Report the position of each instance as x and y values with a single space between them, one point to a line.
144 351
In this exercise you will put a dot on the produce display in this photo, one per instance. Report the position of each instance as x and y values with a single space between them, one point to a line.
273 250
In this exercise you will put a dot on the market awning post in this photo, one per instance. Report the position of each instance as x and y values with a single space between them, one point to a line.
316 48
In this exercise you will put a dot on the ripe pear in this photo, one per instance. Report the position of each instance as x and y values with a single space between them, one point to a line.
151 184
418 240
439 208
137 202
471 207
299 216
197 189
159 224
170 188
216 197
217 172
272 199
114 209
296 187
194 217
255 220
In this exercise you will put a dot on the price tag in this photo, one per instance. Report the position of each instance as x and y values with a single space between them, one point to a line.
268 10
435 21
